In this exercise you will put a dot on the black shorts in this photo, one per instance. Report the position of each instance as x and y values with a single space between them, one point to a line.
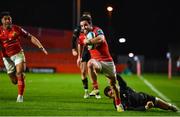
85 55
135 99
144 98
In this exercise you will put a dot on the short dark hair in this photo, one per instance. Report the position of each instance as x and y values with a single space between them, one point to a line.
87 18
4 13
87 14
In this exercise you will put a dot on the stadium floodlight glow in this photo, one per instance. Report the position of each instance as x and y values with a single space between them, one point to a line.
122 40
136 58
109 8
131 55
168 55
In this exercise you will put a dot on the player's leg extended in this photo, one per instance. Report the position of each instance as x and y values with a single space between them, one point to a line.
92 71
83 68
159 103
11 69
110 71
116 94
93 68
21 84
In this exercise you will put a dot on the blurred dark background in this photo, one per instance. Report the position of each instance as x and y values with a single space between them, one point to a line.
150 27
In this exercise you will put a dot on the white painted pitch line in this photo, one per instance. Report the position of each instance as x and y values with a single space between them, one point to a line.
156 91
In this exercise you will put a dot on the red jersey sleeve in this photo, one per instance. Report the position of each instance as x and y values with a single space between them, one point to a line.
23 33
98 31
81 39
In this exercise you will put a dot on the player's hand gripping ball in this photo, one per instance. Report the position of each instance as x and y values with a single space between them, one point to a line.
90 36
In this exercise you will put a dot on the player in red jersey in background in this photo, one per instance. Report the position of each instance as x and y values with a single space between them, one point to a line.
12 52
101 60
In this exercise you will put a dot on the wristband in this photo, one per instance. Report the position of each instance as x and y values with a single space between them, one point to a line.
41 48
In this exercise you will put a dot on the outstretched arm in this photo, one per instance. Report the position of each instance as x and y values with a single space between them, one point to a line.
36 42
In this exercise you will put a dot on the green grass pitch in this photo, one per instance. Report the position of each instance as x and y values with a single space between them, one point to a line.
62 95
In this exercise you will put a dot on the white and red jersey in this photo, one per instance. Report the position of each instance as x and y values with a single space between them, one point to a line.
10 40
100 52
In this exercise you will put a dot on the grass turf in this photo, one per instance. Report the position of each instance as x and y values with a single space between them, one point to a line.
62 95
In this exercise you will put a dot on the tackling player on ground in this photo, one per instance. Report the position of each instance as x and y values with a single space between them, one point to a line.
138 101
12 52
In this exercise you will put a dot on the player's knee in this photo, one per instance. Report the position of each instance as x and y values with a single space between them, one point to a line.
90 65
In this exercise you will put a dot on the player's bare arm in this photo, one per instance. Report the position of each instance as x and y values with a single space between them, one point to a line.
36 42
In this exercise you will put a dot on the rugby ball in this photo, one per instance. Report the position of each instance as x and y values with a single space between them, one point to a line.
90 36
